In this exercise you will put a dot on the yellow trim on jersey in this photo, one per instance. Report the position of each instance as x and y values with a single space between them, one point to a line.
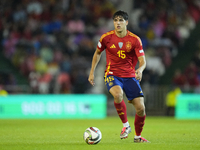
133 35
106 34
107 70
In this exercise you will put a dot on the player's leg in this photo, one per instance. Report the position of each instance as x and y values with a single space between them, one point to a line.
120 106
135 96
119 103
140 116
114 86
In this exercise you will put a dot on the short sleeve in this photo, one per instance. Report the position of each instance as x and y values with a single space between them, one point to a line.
138 47
101 46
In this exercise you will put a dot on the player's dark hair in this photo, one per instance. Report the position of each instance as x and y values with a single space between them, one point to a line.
122 14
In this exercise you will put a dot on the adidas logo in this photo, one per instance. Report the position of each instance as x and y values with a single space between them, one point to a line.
121 113
113 46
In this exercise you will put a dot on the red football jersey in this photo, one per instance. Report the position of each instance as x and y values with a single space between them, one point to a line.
121 53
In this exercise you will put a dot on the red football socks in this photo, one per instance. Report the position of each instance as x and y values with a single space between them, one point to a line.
139 123
121 110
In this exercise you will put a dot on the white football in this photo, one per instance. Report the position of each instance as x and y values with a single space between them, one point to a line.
92 135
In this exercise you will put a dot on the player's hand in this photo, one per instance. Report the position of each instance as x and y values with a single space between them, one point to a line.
91 79
138 74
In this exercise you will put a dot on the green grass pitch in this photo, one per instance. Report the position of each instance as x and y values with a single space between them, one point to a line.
165 133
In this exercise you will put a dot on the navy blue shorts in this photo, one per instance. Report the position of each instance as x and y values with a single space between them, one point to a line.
130 86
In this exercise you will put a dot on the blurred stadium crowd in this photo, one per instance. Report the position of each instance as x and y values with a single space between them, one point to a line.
52 42
163 26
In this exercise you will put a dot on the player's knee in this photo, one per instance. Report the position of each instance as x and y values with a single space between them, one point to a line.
140 111
118 97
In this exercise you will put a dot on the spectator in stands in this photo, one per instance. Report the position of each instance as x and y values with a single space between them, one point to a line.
191 72
179 79
73 27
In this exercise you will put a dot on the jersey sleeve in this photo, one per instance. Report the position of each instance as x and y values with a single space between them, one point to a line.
101 46
138 47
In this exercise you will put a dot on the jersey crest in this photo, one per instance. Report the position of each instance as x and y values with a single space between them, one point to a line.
128 46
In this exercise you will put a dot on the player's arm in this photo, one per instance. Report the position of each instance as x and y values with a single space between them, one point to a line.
142 66
95 60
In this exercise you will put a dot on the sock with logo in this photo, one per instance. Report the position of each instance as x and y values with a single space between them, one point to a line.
139 123
121 110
